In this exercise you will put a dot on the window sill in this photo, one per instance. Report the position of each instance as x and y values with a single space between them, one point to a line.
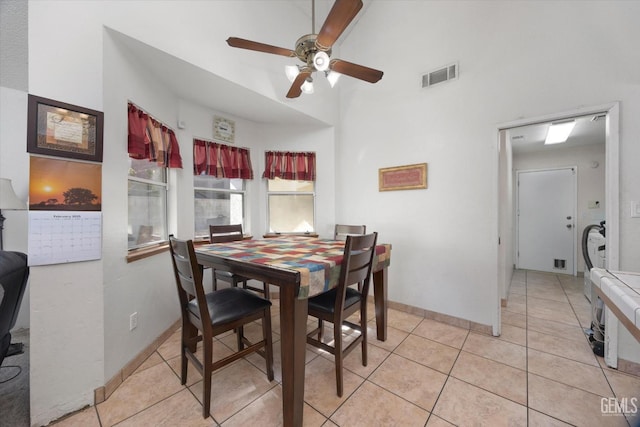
138 254
277 235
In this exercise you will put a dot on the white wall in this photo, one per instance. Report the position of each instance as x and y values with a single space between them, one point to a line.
445 238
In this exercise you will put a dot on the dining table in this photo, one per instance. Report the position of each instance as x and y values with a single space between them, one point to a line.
300 267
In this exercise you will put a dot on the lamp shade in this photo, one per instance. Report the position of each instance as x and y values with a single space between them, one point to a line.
8 198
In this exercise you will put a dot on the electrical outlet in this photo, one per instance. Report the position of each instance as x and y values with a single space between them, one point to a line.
133 321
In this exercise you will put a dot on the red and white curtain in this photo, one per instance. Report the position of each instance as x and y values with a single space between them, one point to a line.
220 160
150 139
300 166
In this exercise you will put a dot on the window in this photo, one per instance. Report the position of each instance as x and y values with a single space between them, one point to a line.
291 206
147 203
153 148
217 201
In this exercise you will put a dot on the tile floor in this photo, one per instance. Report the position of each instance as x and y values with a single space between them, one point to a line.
539 372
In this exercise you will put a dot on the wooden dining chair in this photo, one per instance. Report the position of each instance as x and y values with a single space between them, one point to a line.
341 231
206 315
232 233
337 304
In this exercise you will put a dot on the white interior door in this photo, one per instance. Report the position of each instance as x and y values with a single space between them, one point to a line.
546 206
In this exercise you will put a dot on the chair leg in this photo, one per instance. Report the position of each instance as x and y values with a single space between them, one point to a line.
268 348
363 332
337 343
206 377
266 290
320 329
239 335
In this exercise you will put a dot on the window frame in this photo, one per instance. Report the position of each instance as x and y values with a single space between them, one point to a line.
165 184
290 193
243 192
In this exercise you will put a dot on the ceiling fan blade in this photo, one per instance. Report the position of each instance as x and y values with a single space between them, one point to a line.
339 18
354 70
296 86
260 47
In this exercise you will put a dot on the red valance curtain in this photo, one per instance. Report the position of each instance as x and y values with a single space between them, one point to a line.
300 166
220 160
150 139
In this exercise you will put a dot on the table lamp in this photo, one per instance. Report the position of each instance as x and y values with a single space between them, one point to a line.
9 201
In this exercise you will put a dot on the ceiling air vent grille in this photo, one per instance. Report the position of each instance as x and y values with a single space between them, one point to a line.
440 75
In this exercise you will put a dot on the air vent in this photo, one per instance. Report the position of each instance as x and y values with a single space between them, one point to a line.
440 75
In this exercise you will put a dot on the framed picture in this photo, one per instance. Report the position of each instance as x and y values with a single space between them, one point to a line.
403 177
58 129
224 129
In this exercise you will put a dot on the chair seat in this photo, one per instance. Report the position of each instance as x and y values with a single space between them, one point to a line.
230 304
226 275
326 301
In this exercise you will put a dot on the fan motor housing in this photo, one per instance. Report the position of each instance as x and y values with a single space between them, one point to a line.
306 47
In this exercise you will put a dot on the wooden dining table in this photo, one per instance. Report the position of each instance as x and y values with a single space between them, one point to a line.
301 267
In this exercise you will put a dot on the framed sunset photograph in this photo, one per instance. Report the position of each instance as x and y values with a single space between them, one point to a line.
64 185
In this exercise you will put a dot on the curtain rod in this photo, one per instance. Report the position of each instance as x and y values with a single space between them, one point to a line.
151 115
216 142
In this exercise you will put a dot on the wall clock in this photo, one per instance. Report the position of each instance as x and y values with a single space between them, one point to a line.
224 129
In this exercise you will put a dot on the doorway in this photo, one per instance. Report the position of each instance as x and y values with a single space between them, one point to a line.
506 205
545 220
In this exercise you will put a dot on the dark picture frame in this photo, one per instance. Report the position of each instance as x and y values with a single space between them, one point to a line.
59 129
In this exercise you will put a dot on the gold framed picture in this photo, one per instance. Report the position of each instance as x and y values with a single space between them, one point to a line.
56 128
407 177
224 129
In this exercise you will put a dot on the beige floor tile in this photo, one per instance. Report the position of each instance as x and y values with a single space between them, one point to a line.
575 374
554 313
259 362
466 405
137 392
574 350
171 347
569 404
320 385
180 409
429 353
537 419
394 337
514 319
500 351
561 330
627 387
517 307
152 360
403 321
353 361
234 387
513 334
435 421
85 418
372 405
441 332
266 411
498 378
412 381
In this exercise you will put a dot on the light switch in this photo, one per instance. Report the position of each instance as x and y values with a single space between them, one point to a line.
635 209
594 204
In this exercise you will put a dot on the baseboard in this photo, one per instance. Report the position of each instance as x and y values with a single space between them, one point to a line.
102 393
444 318
629 367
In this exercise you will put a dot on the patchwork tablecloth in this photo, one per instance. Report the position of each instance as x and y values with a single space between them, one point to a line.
317 260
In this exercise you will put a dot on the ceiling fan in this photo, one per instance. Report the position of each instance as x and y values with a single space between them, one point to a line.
314 50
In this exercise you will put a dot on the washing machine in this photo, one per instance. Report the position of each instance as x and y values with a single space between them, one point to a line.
597 255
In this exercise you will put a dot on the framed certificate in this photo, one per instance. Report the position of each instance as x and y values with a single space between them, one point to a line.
224 129
59 129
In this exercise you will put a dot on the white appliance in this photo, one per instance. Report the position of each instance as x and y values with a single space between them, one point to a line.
596 251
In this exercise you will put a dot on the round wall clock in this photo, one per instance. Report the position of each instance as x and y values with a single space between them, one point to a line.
224 129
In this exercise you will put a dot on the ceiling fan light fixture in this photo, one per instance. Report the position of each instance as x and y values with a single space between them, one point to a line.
307 86
291 72
332 77
559 132
321 61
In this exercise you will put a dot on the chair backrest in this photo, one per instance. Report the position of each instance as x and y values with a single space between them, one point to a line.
356 266
342 231
225 233
189 281
14 273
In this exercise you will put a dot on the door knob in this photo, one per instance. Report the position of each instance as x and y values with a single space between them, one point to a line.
569 226
569 217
